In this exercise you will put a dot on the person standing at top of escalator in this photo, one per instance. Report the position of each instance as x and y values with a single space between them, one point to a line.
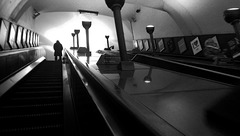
58 50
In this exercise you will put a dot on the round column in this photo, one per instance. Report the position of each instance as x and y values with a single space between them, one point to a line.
116 6
73 35
150 30
107 37
232 16
87 25
77 31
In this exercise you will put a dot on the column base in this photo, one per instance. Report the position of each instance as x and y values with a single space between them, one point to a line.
89 53
73 48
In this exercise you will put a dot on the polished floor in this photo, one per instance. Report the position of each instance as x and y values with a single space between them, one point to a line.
182 101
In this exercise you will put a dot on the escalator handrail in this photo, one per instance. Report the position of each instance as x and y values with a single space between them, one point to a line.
90 76
186 68
15 51
13 80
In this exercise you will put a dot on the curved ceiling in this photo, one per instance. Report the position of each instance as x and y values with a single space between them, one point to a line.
191 16
75 5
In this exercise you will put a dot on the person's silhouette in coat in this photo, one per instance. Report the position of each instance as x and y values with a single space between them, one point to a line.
58 50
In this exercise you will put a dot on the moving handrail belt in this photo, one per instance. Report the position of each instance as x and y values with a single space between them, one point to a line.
118 108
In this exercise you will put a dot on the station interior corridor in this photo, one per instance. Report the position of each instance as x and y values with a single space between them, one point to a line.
127 67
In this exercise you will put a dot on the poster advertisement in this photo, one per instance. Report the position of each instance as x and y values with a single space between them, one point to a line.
170 45
196 46
182 46
146 45
234 46
140 45
161 45
216 42
3 34
135 44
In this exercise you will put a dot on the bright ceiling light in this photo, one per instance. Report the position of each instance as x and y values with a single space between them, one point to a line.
150 26
233 9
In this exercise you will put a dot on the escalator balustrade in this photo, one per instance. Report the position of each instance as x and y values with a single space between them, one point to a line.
35 105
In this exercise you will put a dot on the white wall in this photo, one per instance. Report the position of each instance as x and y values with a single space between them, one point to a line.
59 26
165 26
26 19
182 17
7 7
208 14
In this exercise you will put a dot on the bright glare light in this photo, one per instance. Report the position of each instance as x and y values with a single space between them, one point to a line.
135 43
147 81
233 8
150 26
97 32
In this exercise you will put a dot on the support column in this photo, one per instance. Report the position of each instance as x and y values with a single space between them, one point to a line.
150 30
107 37
148 79
116 6
73 35
87 25
232 16
77 31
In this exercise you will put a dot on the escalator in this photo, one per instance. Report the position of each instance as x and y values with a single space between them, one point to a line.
35 105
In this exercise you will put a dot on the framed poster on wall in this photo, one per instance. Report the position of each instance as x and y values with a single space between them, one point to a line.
11 36
196 46
28 38
182 45
169 45
160 45
135 44
31 38
234 46
24 37
34 39
3 34
38 40
212 42
140 45
18 37
146 45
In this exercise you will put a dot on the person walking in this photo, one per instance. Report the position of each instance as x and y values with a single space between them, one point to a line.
58 50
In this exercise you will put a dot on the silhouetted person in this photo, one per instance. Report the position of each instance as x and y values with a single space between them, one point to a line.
58 50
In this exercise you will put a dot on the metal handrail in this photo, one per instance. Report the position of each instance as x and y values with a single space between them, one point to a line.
117 108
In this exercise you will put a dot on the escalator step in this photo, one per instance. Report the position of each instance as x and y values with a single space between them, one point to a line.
37 94
31 106
27 111
32 102
56 83
35 105
31 121
30 115
56 129
41 87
